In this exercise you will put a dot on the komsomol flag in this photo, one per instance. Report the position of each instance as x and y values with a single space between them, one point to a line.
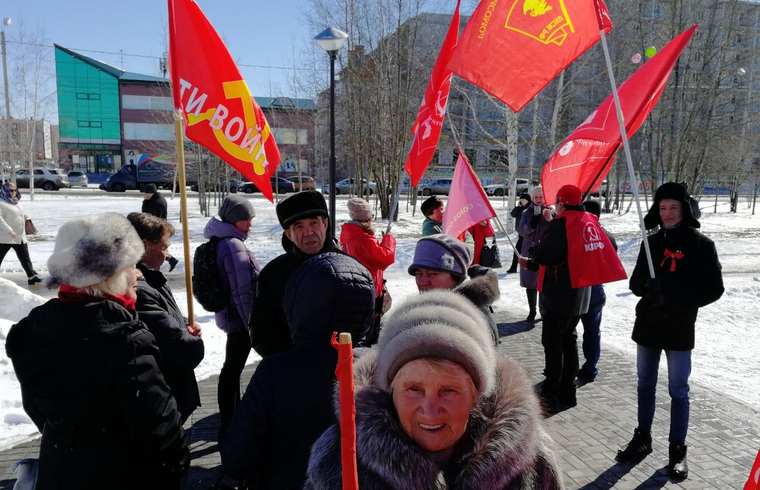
586 156
427 126
513 48
467 204
218 110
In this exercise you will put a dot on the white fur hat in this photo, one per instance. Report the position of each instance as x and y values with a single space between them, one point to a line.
536 191
90 249
440 324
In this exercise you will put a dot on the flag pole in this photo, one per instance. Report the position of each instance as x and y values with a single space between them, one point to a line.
183 212
627 149
344 373
395 201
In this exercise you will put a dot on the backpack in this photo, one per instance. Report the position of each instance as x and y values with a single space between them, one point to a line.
208 288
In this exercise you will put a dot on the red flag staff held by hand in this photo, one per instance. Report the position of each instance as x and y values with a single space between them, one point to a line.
344 372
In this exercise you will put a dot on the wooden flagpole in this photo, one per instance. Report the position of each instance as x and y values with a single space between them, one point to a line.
179 135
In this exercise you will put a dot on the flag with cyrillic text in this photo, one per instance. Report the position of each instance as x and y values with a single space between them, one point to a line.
427 126
586 156
467 203
514 48
218 110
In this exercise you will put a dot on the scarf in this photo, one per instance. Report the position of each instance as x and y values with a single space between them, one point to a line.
70 294
5 194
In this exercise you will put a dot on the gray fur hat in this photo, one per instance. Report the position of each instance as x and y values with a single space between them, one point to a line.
90 249
439 324
442 253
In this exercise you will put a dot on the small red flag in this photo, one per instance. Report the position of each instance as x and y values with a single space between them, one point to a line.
218 110
753 482
513 48
427 126
467 203
344 372
586 156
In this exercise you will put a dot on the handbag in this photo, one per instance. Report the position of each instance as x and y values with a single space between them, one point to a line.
489 255
29 227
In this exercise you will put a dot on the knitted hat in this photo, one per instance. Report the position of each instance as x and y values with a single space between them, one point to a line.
430 204
442 253
359 209
437 324
536 191
90 249
670 190
236 208
569 195
593 207
525 196
304 204
150 189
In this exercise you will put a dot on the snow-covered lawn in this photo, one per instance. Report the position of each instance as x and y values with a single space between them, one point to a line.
726 341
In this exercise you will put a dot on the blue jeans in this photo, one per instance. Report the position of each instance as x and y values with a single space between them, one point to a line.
592 339
679 369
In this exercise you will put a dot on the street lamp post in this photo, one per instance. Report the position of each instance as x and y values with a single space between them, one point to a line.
6 22
331 40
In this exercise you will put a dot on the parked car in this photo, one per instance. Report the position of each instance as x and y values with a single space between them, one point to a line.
349 186
233 186
436 186
77 178
303 183
49 179
279 185
502 188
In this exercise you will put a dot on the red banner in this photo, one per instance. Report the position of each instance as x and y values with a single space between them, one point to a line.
218 110
586 156
467 203
753 482
427 126
513 48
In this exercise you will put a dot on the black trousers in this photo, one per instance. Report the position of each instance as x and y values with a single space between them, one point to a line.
559 339
22 252
228 390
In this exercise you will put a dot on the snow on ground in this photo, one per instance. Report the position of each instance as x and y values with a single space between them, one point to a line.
723 358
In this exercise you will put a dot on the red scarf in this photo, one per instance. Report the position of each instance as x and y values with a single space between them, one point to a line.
70 294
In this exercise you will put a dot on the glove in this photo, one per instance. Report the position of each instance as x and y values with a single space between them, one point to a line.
653 292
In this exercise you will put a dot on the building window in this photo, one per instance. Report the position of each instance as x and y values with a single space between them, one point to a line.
151 132
87 96
290 136
146 103
472 156
89 124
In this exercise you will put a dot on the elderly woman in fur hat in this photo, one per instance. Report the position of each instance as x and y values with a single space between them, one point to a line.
437 407
88 369
687 276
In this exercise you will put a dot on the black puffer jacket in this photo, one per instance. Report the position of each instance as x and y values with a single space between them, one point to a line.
687 283
90 381
268 325
288 403
180 351
156 205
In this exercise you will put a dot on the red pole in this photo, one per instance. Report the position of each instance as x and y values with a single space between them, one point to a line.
344 372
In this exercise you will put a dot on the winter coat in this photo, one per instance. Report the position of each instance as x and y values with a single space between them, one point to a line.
431 227
288 403
505 447
269 326
12 219
376 256
239 271
156 205
686 283
181 352
558 297
483 291
531 227
91 382
479 234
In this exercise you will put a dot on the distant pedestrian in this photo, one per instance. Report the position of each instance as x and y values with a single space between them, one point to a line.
516 213
13 231
687 277
357 239
238 271
432 209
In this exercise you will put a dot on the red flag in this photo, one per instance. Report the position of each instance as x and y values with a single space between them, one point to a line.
513 48
344 373
585 157
753 482
218 110
467 204
427 126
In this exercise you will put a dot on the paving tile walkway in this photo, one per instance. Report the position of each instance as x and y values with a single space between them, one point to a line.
724 434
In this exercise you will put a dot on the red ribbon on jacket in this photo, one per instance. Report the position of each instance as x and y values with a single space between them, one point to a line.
673 256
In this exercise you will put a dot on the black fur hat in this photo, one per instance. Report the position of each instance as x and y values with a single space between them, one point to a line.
304 204
670 190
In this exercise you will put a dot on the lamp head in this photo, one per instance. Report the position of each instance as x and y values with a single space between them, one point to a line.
331 39
7 21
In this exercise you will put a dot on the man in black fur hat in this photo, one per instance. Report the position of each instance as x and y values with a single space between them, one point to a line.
303 217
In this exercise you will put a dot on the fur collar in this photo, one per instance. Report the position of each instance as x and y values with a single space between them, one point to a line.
482 290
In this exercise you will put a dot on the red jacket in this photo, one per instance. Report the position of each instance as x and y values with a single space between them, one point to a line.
479 234
374 255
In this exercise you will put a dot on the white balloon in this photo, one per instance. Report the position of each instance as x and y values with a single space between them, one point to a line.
742 71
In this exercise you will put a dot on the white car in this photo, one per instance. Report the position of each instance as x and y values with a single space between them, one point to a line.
348 186
502 188
77 178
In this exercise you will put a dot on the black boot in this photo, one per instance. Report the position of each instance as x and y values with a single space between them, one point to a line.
532 295
637 449
34 280
677 465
